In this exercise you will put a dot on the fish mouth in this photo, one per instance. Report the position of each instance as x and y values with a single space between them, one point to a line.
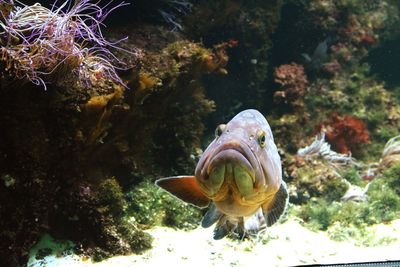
234 156
233 163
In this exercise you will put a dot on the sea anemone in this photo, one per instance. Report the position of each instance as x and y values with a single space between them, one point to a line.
37 41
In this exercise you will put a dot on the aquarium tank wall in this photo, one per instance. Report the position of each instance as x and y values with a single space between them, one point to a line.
191 132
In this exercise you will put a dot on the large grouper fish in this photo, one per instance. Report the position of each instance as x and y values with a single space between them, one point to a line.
240 174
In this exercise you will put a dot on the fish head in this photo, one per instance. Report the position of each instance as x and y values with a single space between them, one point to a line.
241 167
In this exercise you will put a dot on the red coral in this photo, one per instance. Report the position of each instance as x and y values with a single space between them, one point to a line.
293 81
345 134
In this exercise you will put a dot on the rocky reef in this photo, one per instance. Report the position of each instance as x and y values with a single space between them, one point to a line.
89 119
337 183
75 137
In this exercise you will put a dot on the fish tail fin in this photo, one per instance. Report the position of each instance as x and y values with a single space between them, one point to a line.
274 210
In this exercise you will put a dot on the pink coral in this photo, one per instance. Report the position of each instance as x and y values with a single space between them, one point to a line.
293 81
331 67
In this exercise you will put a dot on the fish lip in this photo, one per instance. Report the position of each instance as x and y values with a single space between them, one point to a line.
241 148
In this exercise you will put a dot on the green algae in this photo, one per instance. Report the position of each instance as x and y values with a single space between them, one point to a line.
151 206
316 181
384 194
48 246
353 177
111 198
349 220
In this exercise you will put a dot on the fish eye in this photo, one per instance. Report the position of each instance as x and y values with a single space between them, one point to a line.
220 129
262 139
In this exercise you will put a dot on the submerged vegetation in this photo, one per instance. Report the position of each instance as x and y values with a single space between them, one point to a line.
344 185
151 206
382 205
69 154
139 101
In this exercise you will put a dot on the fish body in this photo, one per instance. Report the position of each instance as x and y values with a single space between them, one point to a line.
320 54
239 176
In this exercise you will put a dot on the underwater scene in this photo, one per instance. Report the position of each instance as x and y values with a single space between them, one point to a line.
199 132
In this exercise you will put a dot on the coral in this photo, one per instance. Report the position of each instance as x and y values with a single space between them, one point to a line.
390 153
293 82
346 133
83 146
349 94
252 24
331 67
167 104
320 149
346 85
360 22
78 160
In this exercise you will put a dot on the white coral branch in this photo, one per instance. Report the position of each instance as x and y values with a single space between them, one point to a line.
391 153
392 147
319 149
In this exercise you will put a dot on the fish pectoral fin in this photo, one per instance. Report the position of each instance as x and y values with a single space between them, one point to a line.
274 210
184 188
211 216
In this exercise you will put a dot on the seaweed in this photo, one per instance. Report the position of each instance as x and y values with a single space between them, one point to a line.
382 205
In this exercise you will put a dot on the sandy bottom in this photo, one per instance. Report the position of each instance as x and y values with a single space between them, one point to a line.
285 244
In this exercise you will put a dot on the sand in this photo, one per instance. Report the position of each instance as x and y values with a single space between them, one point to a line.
285 244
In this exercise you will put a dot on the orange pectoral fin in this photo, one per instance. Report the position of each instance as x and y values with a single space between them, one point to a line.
184 188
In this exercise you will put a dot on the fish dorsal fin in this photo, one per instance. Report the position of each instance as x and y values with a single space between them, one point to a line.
184 188
274 210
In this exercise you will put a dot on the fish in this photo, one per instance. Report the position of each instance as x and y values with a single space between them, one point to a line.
238 176
320 54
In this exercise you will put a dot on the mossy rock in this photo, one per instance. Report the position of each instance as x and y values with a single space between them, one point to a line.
382 206
316 180
149 205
